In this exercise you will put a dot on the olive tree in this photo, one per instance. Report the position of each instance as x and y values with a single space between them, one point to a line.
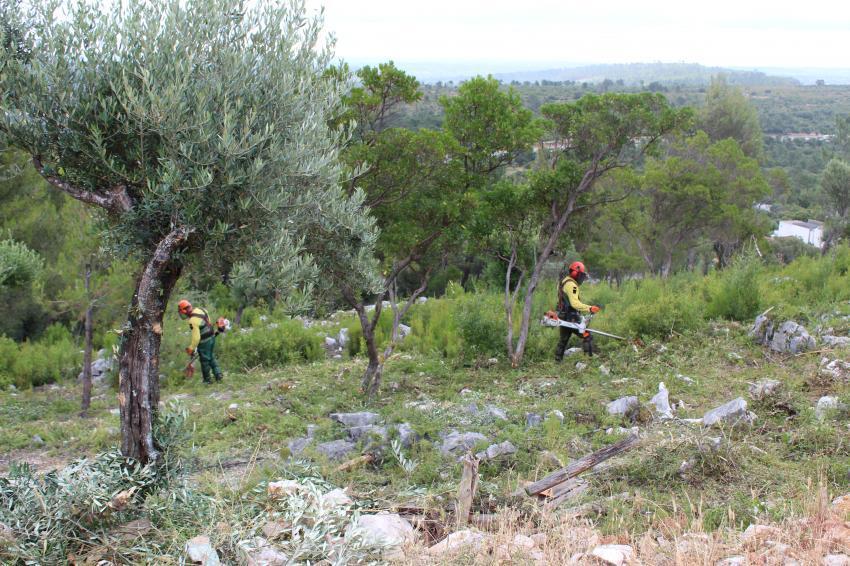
199 129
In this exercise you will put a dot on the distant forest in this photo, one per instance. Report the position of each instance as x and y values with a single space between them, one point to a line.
783 106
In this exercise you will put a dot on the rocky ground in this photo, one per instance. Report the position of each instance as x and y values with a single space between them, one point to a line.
742 457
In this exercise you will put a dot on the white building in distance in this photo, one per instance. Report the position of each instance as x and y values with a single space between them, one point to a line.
810 232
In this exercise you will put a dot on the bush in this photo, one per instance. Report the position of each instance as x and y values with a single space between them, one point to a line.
30 364
434 330
734 292
273 345
480 322
654 308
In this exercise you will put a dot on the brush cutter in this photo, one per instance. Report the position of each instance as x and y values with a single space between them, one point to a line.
551 319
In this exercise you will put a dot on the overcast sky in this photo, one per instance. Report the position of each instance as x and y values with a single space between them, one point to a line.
520 33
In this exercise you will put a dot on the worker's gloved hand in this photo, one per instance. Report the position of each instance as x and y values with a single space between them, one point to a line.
190 351
594 309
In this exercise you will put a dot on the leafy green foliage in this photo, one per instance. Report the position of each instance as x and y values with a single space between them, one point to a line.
491 126
735 295
49 360
19 265
728 114
701 191
51 514
271 345
239 169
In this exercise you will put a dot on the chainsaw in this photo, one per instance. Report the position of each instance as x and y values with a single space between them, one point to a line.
551 319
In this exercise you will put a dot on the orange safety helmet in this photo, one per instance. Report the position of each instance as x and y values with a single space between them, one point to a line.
184 307
577 269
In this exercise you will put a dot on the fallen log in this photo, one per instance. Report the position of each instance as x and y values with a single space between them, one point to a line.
566 491
581 465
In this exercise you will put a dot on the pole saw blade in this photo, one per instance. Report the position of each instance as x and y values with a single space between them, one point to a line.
594 331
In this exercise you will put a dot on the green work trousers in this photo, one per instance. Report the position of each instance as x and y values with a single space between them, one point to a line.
206 352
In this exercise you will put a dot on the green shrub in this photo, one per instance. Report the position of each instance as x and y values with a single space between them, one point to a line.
654 308
434 330
273 345
30 364
734 292
480 322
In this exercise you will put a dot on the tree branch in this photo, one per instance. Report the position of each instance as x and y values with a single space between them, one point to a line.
149 285
115 200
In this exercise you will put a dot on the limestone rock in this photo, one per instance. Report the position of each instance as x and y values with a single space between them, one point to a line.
730 414
406 434
661 400
274 529
496 450
837 370
199 551
357 433
623 405
260 552
732 561
355 419
336 498
836 560
455 542
335 449
616 554
496 412
841 504
532 420
764 389
388 530
759 533
826 404
789 338
459 442
836 341
557 414
404 331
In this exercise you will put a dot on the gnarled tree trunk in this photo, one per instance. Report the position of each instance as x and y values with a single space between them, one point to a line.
138 365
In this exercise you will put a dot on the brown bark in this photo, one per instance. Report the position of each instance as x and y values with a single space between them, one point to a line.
86 402
467 488
115 199
138 365
581 465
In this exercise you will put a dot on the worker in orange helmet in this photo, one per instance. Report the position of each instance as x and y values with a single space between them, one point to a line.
570 308
203 338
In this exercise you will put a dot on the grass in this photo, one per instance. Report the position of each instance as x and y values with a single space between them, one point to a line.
760 473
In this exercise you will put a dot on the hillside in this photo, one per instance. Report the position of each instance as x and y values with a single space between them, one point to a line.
780 466
639 74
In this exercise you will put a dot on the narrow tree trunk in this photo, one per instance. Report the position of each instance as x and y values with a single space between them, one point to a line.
510 300
138 365
86 402
372 376
239 310
667 266
533 281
